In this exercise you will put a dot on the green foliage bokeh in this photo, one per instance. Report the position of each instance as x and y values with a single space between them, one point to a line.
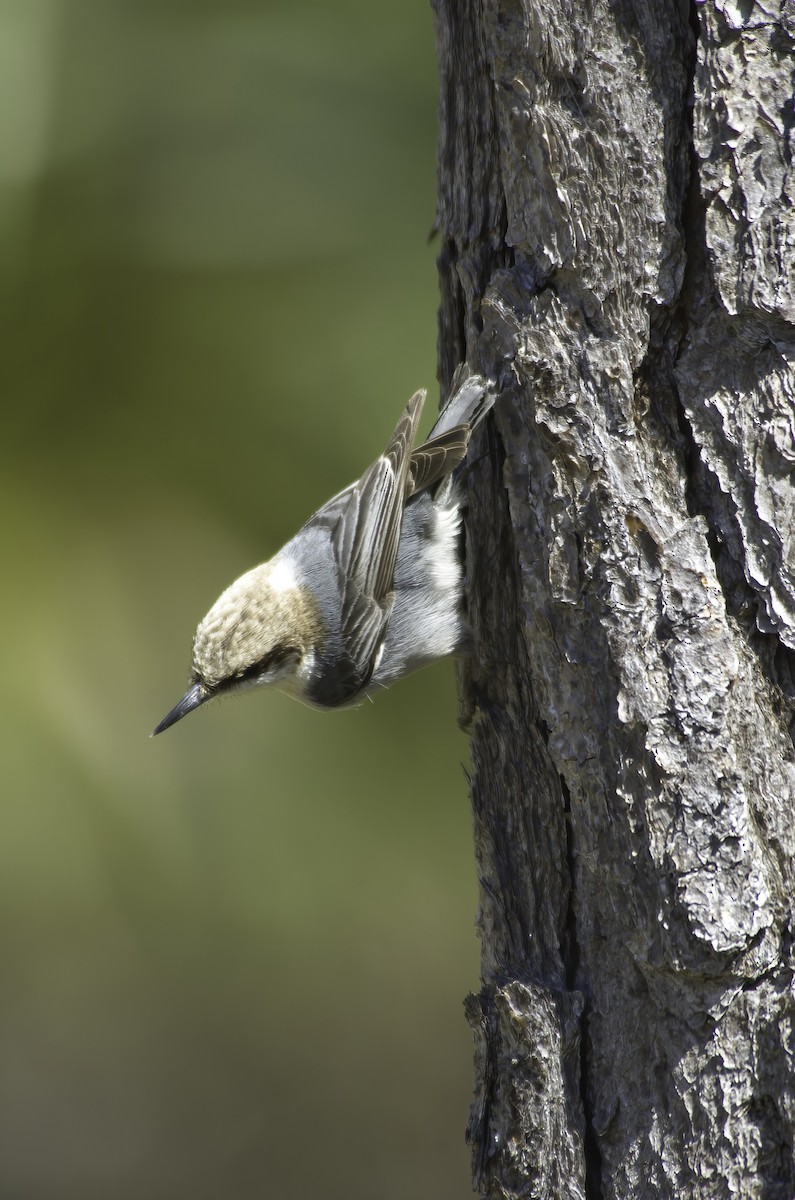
234 956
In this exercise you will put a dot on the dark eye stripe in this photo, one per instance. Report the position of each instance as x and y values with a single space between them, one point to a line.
278 655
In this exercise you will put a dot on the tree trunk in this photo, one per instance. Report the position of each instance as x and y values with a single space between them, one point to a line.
615 209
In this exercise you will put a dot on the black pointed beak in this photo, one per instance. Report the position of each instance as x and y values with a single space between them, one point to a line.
195 695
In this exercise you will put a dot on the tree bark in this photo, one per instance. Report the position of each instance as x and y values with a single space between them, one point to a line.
617 233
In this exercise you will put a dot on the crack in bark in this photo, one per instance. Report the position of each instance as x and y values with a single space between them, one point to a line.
570 952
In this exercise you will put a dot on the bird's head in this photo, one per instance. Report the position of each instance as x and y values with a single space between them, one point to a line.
261 630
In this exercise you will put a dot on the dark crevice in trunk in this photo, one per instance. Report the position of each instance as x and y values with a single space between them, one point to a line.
593 1155
570 951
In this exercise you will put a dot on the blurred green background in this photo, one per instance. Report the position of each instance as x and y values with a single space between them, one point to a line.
233 957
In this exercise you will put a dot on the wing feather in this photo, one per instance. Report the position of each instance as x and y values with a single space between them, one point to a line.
364 524
437 458
365 537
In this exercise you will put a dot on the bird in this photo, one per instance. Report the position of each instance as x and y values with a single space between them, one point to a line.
371 587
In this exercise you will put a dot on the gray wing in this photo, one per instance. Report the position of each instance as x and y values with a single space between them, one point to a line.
430 462
364 524
471 397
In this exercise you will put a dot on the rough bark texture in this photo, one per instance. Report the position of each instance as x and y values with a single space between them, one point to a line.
616 216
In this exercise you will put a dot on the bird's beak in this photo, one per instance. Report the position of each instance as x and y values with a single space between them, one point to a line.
195 695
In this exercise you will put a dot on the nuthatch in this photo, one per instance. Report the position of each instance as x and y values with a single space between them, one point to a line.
368 590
